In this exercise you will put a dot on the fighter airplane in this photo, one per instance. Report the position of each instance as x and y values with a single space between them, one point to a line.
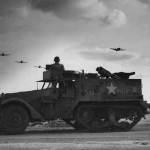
118 49
20 62
39 67
3 54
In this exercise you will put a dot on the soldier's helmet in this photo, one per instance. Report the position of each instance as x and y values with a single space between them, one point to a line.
57 59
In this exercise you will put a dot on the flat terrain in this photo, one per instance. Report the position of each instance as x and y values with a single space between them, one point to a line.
44 138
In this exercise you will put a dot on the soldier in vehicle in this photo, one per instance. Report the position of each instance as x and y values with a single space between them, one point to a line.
57 65
57 70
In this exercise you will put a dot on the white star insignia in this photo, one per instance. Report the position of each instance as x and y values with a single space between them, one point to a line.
111 89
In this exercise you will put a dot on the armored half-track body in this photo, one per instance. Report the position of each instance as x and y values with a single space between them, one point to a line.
94 102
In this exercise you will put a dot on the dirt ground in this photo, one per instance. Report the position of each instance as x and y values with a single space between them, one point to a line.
43 138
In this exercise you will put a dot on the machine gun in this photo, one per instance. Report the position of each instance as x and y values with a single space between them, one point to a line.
105 73
124 75
118 75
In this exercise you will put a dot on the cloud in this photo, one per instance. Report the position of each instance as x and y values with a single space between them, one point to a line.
71 9
116 18
144 1
13 15
81 9
107 55
9 8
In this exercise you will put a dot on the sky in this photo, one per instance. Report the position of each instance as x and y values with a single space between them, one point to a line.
80 32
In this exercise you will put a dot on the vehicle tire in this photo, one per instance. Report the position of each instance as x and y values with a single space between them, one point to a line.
1 120
84 114
15 119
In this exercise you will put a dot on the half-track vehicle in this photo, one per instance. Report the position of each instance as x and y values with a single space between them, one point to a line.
95 102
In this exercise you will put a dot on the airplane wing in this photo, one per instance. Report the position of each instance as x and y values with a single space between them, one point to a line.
17 61
37 66
113 49
121 49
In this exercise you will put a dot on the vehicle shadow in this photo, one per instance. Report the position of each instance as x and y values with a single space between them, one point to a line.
52 131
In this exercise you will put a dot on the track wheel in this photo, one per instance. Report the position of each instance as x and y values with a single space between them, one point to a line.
124 125
83 114
15 119
95 126
78 126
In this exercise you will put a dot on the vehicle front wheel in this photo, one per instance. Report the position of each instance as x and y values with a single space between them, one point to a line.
15 119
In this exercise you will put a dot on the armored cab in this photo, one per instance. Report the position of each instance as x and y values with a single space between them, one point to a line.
94 102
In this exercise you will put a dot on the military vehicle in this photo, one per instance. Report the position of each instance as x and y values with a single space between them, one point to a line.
94 102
